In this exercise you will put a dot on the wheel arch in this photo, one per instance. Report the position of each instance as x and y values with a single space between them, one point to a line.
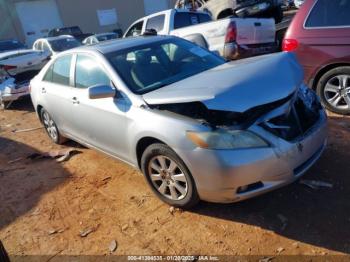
38 110
142 144
323 71
225 13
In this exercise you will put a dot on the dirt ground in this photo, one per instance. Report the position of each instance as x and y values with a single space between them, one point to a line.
45 205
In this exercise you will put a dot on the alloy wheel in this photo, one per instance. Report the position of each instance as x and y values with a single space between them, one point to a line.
337 91
50 126
168 178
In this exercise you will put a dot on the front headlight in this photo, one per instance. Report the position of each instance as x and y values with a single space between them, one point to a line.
232 139
309 97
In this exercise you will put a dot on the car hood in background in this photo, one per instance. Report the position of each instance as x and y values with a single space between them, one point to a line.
236 86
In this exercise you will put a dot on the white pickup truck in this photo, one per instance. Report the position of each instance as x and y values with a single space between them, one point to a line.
232 38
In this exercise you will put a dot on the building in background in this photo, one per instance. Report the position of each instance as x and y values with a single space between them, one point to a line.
28 20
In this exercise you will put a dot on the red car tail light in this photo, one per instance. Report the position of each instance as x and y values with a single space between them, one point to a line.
8 67
290 45
231 34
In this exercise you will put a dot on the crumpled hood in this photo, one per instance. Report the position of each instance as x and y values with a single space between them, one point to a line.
236 86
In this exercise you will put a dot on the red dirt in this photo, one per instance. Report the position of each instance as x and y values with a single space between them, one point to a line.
45 205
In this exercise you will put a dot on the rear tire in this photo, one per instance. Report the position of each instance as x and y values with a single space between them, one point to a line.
168 176
51 128
333 88
3 254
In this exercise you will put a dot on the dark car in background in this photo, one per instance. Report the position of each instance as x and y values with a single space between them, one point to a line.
240 8
74 31
320 37
260 8
11 45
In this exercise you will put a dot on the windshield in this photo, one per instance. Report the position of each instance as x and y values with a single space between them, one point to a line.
149 67
60 45
11 45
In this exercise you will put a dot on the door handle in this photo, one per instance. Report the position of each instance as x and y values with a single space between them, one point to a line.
43 90
75 101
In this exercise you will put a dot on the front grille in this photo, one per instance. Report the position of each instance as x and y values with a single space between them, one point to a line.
295 123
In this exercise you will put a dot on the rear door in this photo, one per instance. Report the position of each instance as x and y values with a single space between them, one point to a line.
56 89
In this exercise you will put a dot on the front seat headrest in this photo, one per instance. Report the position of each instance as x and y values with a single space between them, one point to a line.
143 57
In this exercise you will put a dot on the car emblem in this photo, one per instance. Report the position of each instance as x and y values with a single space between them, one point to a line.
29 63
300 147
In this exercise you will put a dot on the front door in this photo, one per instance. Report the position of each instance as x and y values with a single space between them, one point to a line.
97 122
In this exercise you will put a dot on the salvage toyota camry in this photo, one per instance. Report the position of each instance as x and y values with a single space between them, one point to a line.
199 128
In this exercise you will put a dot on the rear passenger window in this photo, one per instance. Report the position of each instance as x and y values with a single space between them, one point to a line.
156 23
38 46
183 19
88 73
328 13
48 75
61 70
135 30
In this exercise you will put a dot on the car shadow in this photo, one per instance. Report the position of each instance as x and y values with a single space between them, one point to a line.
318 217
24 181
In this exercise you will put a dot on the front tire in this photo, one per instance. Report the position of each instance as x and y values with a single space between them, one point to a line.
168 176
333 88
51 128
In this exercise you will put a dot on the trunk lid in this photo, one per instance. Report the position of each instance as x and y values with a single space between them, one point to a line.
255 31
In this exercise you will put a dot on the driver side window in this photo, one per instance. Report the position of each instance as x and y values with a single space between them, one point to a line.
135 30
88 73
38 46
46 47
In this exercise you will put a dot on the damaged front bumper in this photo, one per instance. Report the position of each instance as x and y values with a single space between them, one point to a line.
11 91
227 176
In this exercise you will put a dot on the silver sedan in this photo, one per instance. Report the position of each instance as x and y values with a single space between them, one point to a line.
199 128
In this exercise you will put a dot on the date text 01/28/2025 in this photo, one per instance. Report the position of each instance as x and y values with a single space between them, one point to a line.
173 258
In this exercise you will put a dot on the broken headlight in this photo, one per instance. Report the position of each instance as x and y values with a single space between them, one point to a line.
309 97
233 139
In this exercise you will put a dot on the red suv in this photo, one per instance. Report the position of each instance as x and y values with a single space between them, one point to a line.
320 37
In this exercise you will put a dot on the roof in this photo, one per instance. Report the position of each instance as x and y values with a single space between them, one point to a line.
56 37
123 43
103 34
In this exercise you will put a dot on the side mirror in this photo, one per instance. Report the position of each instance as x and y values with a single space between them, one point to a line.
101 91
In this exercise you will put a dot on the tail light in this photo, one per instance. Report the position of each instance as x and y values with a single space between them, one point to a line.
8 67
289 45
231 34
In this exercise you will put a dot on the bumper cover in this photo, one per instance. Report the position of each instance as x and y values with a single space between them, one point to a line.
12 92
233 51
219 174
